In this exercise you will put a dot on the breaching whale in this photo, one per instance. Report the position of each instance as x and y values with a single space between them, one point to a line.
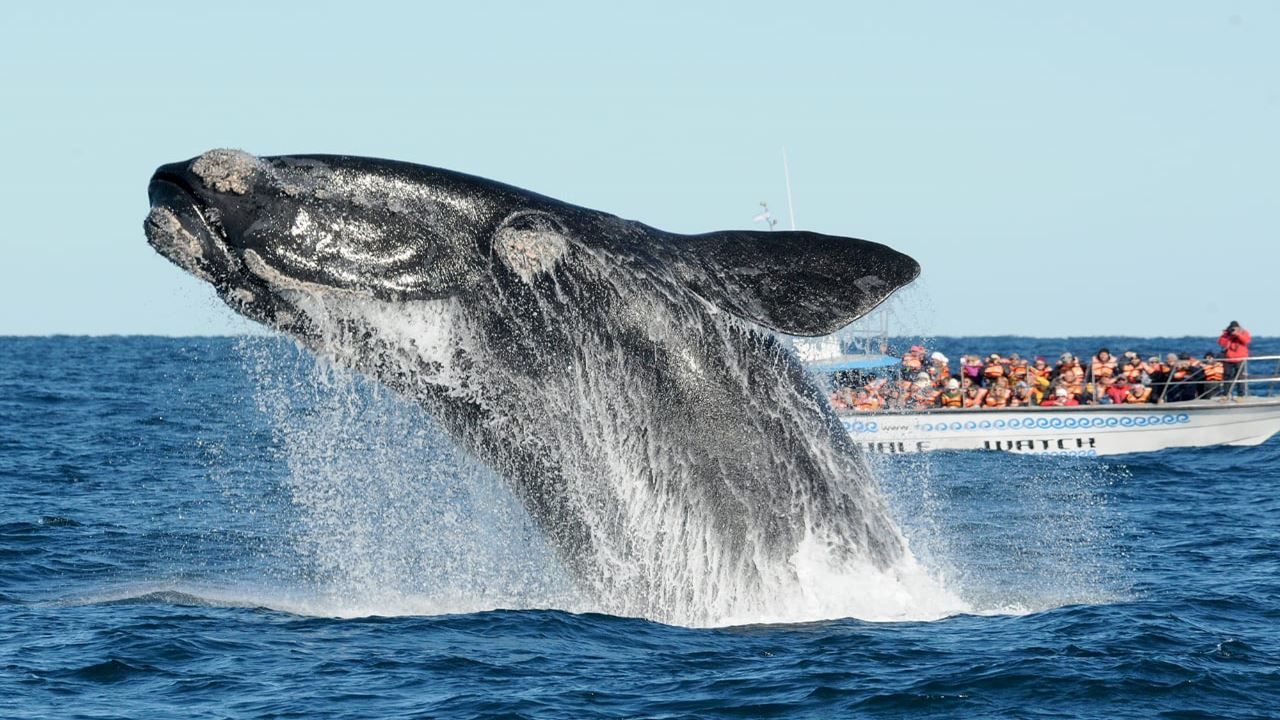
624 380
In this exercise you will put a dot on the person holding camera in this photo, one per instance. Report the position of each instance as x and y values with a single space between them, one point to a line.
1235 347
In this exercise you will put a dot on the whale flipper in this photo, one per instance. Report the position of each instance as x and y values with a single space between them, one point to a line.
799 283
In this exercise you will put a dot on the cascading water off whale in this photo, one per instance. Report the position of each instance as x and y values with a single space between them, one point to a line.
622 379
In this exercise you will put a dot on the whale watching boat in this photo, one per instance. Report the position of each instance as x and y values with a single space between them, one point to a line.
1086 429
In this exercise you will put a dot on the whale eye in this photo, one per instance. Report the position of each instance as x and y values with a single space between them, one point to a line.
530 243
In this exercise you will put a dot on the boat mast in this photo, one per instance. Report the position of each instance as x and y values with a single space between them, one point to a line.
786 174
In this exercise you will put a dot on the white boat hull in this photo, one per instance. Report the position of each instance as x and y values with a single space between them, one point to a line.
1087 430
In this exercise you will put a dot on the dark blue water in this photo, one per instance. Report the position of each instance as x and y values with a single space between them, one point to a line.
211 528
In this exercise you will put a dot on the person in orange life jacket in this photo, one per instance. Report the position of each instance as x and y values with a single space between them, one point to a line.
998 394
1070 379
1021 394
1017 368
1060 397
993 369
1138 393
952 397
1235 348
1040 369
912 362
974 395
1115 391
939 370
1103 365
837 399
1131 368
869 398
923 395
1067 362
1213 371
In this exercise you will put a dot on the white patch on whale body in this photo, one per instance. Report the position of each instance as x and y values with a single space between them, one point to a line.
225 170
529 251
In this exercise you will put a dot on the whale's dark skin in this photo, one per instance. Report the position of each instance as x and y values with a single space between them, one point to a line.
616 375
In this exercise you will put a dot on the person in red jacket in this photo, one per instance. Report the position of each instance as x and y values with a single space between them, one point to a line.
1235 347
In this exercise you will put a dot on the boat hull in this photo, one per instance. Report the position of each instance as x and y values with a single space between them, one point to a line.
1087 430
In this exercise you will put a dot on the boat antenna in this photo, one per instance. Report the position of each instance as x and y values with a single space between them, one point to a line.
786 174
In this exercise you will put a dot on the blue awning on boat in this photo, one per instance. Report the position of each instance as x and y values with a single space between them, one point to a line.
854 362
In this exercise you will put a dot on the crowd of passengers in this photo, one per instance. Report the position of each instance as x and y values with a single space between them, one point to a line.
929 381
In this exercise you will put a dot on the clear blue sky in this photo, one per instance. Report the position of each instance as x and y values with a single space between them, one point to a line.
1057 168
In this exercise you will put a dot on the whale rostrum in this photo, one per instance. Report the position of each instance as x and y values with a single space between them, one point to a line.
625 381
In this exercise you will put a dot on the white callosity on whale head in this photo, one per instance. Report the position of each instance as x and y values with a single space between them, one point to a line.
225 170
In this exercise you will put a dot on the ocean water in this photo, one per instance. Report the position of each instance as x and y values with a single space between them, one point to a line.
218 527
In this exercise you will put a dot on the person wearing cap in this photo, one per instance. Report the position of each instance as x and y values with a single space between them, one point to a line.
952 397
1131 368
1235 349
922 394
1061 397
992 370
939 370
1138 393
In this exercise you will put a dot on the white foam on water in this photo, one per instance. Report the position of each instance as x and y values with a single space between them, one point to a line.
394 519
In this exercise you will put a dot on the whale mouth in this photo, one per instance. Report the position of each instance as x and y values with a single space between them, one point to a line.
188 233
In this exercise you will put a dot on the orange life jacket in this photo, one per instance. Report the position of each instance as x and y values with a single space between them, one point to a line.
1213 371
1018 371
995 398
1132 371
1102 369
1143 395
949 400
993 370
974 400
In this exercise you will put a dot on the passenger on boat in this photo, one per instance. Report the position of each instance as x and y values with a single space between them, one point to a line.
974 395
952 397
1040 369
923 395
1115 391
939 370
869 397
998 395
841 399
971 368
913 361
1157 372
1017 368
1071 380
1138 393
1021 394
1131 368
1040 390
1214 371
1068 362
1061 397
993 369
1103 365
1235 348
1180 386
